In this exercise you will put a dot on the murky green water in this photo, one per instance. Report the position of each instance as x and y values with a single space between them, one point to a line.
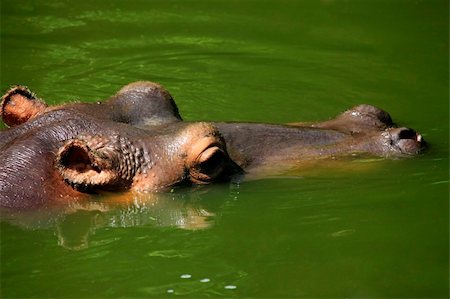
373 228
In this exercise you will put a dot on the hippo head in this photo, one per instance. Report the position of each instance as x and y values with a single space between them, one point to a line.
174 155
374 132
133 141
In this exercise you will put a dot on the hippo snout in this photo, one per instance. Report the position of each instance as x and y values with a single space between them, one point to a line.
406 140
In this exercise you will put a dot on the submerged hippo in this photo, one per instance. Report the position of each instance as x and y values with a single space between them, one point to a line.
137 140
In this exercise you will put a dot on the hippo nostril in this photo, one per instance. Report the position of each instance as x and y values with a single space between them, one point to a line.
406 140
407 134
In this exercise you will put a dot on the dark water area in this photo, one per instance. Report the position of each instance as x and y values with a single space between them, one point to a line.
349 228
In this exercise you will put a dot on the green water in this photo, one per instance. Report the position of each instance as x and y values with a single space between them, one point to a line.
365 228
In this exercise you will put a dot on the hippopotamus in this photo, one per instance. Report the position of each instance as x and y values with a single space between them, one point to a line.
137 141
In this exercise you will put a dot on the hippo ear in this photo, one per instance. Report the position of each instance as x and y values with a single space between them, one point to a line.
19 104
84 167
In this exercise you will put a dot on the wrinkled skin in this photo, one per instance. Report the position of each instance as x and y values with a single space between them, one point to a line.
137 141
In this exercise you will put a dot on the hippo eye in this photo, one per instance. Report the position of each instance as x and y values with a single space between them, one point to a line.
209 165
211 160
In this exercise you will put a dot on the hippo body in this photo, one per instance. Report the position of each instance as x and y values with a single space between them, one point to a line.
137 140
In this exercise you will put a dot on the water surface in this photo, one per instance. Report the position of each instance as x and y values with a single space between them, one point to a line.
351 228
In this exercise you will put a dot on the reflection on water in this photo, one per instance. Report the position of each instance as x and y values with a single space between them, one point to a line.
74 224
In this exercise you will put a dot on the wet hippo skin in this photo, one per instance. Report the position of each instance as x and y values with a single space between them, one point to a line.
136 140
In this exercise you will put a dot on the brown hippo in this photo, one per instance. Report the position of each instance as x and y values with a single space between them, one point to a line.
137 140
